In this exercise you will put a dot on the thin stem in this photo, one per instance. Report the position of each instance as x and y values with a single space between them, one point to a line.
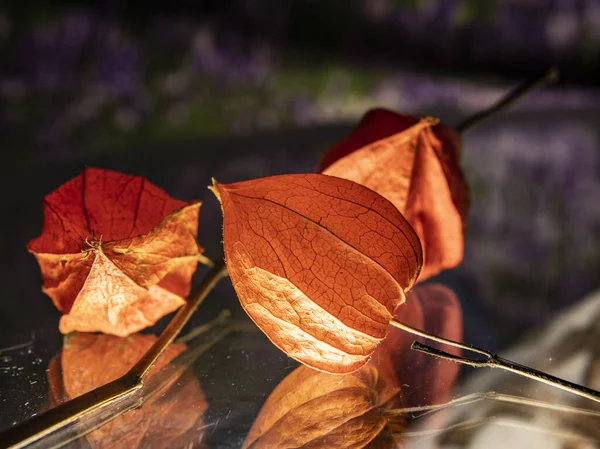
549 76
494 361
445 341
141 368
52 420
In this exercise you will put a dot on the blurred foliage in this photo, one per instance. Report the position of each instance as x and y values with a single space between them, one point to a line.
82 77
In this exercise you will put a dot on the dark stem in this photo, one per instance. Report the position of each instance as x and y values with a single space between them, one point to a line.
64 414
549 76
493 361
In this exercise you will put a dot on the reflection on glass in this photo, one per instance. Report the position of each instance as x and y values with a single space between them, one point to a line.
319 410
497 410
435 309
88 361
316 409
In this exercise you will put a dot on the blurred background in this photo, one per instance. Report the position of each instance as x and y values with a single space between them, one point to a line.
78 79
181 91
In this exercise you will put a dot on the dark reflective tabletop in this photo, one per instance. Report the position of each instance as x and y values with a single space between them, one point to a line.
225 385
525 290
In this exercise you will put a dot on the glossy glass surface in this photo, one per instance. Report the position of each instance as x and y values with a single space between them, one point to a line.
529 262
229 380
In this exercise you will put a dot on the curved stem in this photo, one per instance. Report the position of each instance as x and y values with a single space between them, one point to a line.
493 361
64 414
549 76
